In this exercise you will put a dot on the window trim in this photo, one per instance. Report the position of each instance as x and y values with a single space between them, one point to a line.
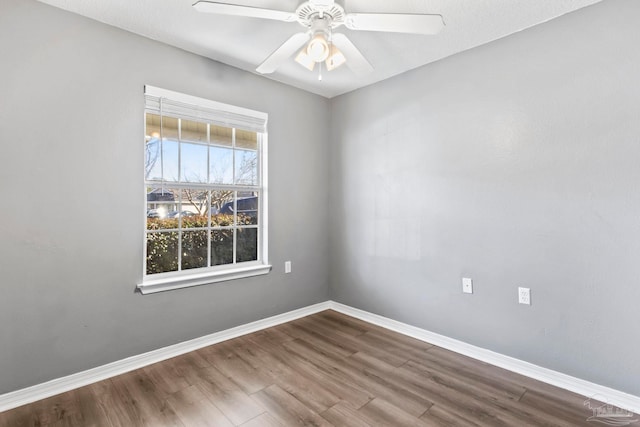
186 278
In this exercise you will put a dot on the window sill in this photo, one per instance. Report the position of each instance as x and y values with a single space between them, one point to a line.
178 282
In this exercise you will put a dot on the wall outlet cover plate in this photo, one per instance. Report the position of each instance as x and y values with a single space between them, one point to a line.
467 285
524 296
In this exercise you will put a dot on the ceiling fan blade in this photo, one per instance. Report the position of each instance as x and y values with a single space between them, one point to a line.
355 60
281 54
395 22
237 10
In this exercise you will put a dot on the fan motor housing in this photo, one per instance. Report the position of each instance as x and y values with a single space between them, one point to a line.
310 11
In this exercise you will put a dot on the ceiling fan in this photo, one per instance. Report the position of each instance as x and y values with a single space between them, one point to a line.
319 43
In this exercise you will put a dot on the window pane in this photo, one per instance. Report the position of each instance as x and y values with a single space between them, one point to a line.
160 203
246 139
152 146
193 159
169 160
246 167
221 136
152 126
222 208
169 128
162 252
194 208
194 249
193 131
221 165
161 158
152 166
247 206
221 247
247 245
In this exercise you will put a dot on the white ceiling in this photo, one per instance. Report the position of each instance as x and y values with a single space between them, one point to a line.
245 42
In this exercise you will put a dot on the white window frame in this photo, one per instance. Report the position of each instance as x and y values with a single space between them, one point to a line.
236 118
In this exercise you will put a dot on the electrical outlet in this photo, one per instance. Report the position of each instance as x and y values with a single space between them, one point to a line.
524 296
467 285
287 267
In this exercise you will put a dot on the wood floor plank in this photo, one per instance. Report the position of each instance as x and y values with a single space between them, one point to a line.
376 330
367 361
263 420
451 393
327 328
394 339
473 369
115 414
352 322
378 412
372 381
402 350
62 408
478 369
344 415
145 408
287 409
300 367
23 416
166 380
443 417
460 381
300 330
566 407
93 414
433 389
272 335
343 324
309 392
223 357
462 367
352 344
455 397
227 396
184 368
194 409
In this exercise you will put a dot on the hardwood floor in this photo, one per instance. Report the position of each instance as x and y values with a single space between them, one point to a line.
327 369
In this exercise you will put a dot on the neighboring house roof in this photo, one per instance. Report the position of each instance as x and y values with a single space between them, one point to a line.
160 195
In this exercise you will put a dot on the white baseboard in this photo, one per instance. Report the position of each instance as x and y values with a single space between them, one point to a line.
71 382
576 385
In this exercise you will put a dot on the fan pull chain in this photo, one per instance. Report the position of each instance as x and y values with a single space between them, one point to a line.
320 71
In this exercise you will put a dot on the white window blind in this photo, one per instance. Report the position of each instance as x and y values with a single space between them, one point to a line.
162 101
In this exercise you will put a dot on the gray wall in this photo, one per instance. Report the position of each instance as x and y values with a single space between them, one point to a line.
515 164
71 127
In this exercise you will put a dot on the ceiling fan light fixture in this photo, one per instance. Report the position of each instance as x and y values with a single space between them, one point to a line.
320 18
305 60
335 59
318 48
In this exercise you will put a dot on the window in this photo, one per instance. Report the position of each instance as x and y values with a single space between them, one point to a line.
205 192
